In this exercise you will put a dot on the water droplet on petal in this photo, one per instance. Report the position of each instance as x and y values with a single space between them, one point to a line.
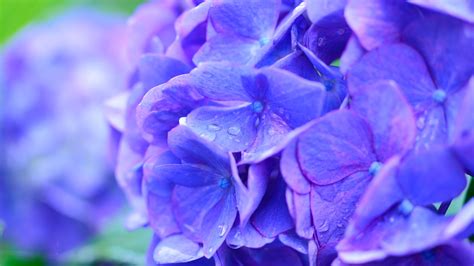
214 127
257 122
323 227
234 131
321 41
341 31
405 207
340 225
210 250
420 122
210 136
222 230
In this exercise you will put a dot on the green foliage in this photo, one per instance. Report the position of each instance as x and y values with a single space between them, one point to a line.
15 14
115 244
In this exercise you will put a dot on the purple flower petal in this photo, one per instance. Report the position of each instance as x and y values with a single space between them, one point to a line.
175 249
400 63
291 171
155 69
227 48
222 81
232 128
463 9
195 150
393 124
318 9
253 19
247 236
383 26
332 206
433 36
217 223
272 216
296 100
336 146
416 176
248 198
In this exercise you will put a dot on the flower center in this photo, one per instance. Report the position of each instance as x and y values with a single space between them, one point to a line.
224 183
405 207
439 96
375 168
257 106
264 41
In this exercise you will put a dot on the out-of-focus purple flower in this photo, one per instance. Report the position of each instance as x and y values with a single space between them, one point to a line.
55 77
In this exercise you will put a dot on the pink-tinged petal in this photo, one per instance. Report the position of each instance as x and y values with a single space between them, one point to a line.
400 63
296 100
382 193
336 146
446 44
416 172
272 216
291 172
252 19
393 124
248 198
221 81
152 19
191 205
353 52
377 22
217 224
232 128
246 236
332 206
196 150
318 9
302 216
190 19
160 215
176 249
463 9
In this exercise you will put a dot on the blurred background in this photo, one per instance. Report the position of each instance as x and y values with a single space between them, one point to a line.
59 202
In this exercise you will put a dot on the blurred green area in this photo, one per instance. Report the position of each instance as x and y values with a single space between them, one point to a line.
15 14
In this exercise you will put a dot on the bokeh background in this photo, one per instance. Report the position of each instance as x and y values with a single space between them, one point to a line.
113 244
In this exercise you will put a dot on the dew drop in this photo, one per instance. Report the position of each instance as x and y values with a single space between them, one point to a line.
222 230
340 225
323 227
210 250
420 122
210 136
257 122
213 127
341 31
321 41
234 131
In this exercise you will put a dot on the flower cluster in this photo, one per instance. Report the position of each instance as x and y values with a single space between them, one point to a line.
56 180
300 132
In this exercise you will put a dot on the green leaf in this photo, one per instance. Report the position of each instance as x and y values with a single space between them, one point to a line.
114 244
